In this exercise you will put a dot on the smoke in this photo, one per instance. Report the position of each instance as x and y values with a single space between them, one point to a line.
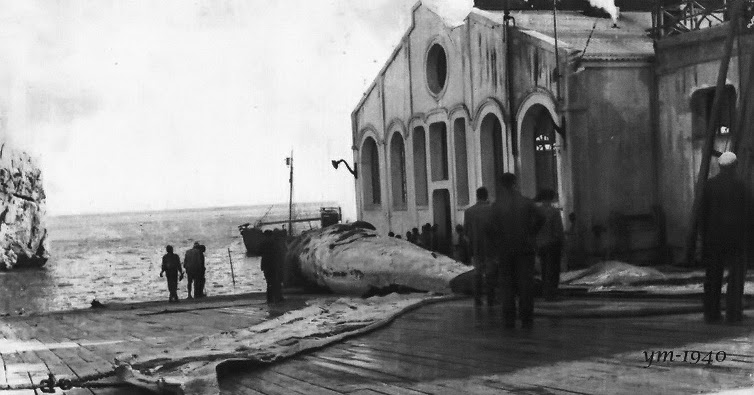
453 12
607 5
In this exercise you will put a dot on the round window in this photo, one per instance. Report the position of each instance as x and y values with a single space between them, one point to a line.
437 68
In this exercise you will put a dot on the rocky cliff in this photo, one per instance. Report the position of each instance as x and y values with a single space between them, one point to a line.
23 235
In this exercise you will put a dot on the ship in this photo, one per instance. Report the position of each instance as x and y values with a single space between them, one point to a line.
252 234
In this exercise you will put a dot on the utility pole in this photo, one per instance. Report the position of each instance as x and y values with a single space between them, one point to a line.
557 57
289 162
712 126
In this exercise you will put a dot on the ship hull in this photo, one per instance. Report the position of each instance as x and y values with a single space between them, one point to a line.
252 240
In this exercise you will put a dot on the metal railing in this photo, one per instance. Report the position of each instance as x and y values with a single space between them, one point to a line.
673 18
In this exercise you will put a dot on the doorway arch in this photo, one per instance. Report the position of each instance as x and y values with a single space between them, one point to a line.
491 152
538 159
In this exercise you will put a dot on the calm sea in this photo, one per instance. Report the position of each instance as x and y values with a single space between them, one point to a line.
117 257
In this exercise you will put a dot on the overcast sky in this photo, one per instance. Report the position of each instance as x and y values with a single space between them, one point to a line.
160 104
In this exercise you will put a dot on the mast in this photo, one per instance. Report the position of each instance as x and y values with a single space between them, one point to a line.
289 162
713 125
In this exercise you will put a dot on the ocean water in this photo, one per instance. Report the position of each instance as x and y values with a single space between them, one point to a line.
117 257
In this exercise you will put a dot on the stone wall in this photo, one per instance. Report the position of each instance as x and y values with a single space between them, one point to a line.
23 234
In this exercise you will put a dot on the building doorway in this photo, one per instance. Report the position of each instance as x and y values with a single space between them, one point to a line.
441 217
491 142
539 164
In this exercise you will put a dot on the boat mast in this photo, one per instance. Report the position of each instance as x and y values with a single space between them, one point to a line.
289 162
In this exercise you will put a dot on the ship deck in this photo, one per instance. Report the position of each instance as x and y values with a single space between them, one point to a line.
577 346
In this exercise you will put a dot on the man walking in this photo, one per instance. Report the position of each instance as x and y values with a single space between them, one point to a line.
171 266
515 222
201 278
477 219
726 228
193 262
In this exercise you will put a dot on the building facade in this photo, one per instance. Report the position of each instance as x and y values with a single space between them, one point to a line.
456 106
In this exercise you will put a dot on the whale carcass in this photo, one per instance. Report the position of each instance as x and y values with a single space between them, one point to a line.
358 261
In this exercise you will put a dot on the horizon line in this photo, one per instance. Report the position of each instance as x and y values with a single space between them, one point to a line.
284 204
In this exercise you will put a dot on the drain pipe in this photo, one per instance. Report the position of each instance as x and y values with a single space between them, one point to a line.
509 85
555 34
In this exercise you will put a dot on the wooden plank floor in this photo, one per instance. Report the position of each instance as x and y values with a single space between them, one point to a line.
444 348
452 348
86 342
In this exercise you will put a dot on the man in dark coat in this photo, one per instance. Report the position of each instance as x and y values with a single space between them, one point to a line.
193 262
425 239
273 257
515 223
476 221
461 249
201 279
171 266
726 228
550 243
415 236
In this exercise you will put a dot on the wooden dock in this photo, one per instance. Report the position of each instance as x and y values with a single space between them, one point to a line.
452 348
443 348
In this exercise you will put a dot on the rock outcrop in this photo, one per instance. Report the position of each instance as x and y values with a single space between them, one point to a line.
23 235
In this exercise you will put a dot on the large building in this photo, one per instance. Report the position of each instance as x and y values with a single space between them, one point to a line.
612 123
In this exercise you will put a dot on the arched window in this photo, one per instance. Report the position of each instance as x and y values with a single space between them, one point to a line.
420 167
438 148
462 169
491 141
398 171
370 165
546 175
538 153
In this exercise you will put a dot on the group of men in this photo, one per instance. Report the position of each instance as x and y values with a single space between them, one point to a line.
193 263
427 239
504 238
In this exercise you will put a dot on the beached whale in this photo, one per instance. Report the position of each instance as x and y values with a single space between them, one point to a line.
353 260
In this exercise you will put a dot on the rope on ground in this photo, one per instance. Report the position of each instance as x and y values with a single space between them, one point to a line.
49 384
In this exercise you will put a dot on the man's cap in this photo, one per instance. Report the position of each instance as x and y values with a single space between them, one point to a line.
727 158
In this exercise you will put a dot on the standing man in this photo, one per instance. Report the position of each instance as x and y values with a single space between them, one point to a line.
425 239
515 223
171 266
550 243
193 262
726 227
476 221
461 250
201 278
273 254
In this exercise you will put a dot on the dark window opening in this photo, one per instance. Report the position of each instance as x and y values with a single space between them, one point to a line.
370 163
437 68
438 141
398 171
701 111
462 171
420 167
